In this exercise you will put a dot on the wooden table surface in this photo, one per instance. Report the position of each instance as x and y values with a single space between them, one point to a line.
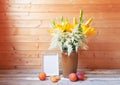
29 77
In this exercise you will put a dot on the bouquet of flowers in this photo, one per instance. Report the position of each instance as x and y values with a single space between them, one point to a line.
69 36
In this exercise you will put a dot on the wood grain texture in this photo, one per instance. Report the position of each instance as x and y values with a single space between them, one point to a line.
24 37
61 8
29 77
60 2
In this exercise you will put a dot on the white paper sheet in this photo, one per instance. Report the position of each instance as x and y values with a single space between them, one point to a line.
51 64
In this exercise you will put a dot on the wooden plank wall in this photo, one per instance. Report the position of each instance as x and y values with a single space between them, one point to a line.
23 36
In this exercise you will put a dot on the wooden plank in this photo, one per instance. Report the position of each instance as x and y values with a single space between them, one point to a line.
82 54
97 2
25 46
44 46
105 35
28 67
73 2
18 46
25 38
19 38
22 52
60 2
24 32
86 63
61 8
43 38
47 16
106 39
20 61
33 23
7 67
19 55
42 32
19 67
19 52
104 46
46 23
102 55
100 59
108 31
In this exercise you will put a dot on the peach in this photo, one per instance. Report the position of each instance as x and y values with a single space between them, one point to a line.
42 75
57 77
80 75
53 79
72 77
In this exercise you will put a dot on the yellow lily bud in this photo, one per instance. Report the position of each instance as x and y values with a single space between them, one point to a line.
88 22
74 21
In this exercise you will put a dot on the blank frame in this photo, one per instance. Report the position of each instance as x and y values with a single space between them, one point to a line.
51 64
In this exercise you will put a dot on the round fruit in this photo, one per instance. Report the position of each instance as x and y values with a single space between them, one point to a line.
57 77
42 75
80 75
72 77
53 79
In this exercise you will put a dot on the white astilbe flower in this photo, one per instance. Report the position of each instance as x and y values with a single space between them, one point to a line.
54 40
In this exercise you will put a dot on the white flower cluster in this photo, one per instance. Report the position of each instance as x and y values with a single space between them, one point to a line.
68 41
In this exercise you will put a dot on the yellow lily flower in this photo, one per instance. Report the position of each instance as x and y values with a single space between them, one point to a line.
66 26
69 27
57 25
51 31
91 31
87 29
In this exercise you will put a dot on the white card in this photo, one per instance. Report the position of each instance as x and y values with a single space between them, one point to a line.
51 64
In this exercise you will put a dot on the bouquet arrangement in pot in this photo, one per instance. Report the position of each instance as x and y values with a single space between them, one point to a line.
69 36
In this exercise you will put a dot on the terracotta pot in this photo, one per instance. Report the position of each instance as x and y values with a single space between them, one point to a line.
69 63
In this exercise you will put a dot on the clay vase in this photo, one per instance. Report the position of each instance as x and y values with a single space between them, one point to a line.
69 63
